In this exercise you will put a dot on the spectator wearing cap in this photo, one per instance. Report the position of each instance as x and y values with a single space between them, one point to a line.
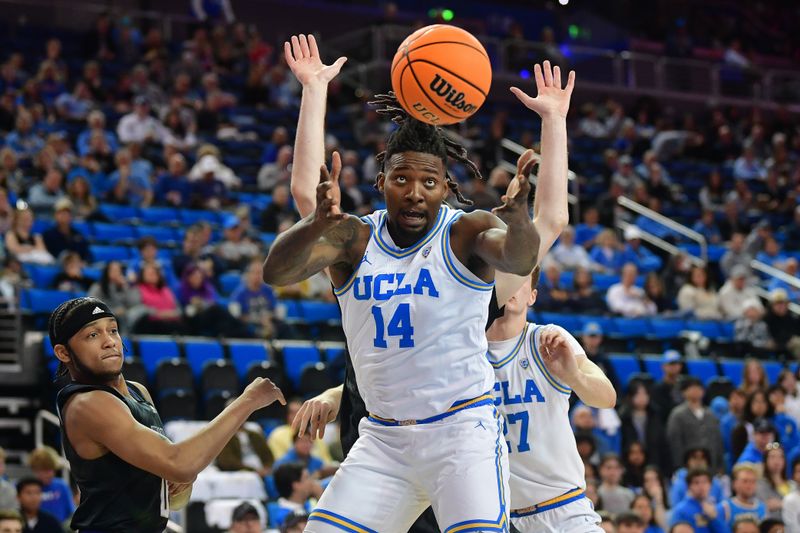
63 235
295 522
783 326
295 487
634 252
694 459
236 249
744 502
30 496
139 126
607 252
750 331
693 425
42 197
764 434
129 184
567 254
208 192
281 209
735 291
698 508
592 342
208 161
245 519
173 187
626 299
666 394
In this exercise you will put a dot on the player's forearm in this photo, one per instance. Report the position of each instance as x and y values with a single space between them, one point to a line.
593 387
309 147
193 455
335 395
550 205
289 257
520 248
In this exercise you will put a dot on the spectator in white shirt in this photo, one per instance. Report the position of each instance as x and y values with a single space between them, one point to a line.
626 299
571 256
735 291
139 126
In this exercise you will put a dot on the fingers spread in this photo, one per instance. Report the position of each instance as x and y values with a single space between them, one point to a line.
312 46
521 95
570 82
304 46
538 77
287 52
557 76
548 74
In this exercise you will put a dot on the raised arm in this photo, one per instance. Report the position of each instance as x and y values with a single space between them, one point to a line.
567 361
326 238
103 419
550 207
302 56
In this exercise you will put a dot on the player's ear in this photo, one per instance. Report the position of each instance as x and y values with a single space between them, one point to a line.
532 297
61 353
380 181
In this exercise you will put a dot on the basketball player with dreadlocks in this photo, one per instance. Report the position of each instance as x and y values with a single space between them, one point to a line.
414 187
128 473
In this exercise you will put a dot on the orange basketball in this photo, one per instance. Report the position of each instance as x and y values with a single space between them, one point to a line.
441 74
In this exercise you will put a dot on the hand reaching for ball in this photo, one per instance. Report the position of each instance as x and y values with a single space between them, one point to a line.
551 99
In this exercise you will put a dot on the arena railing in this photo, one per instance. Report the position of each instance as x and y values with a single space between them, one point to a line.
658 242
677 227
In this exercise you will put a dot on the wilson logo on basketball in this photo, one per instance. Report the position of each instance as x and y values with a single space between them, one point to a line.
455 98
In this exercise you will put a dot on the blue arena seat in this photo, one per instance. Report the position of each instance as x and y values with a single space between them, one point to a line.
726 330
162 234
293 312
229 281
160 215
243 354
772 369
708 328
44 301
191 216
112 232
652 365
109 253
42 276
667 328
296 355
631 327
316 312
119 213
703 369
199 351
625 365
732 369
571 323
153 350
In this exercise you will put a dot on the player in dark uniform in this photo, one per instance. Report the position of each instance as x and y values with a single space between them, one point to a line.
129 474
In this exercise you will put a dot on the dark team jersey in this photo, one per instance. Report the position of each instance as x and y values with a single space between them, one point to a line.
116 497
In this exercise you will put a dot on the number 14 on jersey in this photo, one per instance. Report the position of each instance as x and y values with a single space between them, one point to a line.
399 326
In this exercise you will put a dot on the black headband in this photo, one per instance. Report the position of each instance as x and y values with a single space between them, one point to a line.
86 312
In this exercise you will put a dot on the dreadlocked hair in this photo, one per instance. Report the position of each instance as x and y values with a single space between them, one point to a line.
57 318
415 136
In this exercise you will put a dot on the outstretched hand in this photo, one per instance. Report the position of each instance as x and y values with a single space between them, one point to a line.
329 197
302 56
515 200
557 354
551 98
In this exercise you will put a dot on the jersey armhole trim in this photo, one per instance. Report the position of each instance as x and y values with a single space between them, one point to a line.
349 283
537 359
512 354
454 266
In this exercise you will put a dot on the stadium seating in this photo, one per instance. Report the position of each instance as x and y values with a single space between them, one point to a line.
200 351
243 354
624 366
219 375
173 374
154 349
296 354
703 369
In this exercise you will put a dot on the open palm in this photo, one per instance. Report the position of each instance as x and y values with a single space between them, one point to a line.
551 98
302 56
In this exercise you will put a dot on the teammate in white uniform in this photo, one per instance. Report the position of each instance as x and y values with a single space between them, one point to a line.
536 369
414 283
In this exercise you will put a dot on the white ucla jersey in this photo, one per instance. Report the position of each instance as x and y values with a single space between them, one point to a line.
414 319
544 458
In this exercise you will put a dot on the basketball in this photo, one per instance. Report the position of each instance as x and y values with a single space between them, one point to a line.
441 74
